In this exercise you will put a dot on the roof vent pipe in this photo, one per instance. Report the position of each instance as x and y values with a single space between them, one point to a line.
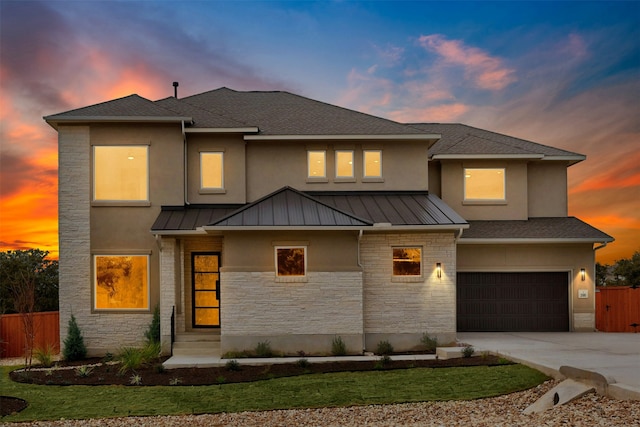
175 89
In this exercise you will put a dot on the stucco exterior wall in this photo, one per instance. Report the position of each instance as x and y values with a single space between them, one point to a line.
272 165
541 257
516 205
402 309
547 189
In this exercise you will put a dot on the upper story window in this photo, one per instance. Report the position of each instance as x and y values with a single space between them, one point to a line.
407 261
344 164
317 164
121 173
211 170
484 184
372 160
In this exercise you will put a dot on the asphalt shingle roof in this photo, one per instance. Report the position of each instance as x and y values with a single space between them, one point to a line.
132 105
566 228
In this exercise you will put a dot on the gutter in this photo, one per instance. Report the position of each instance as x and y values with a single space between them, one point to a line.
184 154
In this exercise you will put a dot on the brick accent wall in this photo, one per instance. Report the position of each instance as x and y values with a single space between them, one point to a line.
409 306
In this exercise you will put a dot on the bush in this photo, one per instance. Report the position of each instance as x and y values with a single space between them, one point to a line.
468 351
384 348
430 343
84 371
383 362
338 347
263 349
232 365
302 363
132 358
74 348
153 333
44 355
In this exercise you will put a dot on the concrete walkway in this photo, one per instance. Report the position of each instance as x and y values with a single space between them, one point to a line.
584 355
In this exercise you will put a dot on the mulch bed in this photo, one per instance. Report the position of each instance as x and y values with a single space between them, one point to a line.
105 374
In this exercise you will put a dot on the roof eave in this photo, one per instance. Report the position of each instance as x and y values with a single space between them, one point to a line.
210 228
54 121
197 232
531 240
487 156
344 137
223 130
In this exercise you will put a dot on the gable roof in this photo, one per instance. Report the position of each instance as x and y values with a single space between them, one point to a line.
566 229
132 108
466 142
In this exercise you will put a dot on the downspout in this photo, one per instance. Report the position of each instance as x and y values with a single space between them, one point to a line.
184 155
362 282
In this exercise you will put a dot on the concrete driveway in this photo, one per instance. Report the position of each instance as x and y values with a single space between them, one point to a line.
615 356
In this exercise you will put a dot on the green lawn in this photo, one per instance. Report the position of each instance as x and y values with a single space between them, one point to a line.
305 391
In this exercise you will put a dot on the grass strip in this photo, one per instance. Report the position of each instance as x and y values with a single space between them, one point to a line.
305 391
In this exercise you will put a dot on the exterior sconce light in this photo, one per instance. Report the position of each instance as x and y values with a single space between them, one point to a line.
438 270
583 274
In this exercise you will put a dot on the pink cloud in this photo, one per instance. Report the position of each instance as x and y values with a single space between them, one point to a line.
485 71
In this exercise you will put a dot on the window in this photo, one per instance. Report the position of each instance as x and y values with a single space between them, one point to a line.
484 184
121 282
121 173
291 261
372 160
212 170
316 161
407 261
344 164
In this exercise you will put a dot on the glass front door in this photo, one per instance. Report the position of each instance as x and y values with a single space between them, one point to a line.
205 272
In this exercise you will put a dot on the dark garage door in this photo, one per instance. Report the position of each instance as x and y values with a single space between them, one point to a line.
516 302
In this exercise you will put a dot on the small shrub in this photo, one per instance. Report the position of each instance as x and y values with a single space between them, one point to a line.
44 356
232 365
430 343
135 379
153 332
108 357
384 348
130 358
338 347
84 371
383 362
468 351
175 381
221 380
263 349
74 348
151 351
160 369
302 363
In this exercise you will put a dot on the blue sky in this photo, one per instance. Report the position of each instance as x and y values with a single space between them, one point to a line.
565 74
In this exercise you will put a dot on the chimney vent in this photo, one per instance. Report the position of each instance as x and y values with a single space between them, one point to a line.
175 89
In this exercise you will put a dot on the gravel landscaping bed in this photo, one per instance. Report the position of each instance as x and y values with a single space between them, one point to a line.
590 410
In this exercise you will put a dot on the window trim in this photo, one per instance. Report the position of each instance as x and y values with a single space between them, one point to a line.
484 201
120 202
297 278
371 178
212 190
94 281
407 277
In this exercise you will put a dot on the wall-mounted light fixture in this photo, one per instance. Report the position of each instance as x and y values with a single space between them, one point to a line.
583 274
438 270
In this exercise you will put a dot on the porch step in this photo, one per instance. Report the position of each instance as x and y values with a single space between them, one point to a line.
204 344
208 336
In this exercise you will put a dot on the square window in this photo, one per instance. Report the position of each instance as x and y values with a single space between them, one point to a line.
344 164
121 173
212 170
372 160
407 261
121 282
291 261
484 184
317 165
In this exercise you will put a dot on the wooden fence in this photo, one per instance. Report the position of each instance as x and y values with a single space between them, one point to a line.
617 308
47 330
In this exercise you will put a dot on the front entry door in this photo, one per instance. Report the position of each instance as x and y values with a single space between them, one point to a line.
205 273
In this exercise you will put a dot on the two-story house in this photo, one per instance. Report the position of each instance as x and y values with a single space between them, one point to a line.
267 216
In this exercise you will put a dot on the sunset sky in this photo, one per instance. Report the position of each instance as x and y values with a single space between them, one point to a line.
565 74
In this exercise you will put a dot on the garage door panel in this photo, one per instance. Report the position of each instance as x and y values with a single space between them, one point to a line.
522 301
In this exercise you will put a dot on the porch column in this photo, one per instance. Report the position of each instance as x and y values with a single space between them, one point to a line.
167 290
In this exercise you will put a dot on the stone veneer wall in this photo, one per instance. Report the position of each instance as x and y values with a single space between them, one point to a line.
402 309
168 298
103 332
291 315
